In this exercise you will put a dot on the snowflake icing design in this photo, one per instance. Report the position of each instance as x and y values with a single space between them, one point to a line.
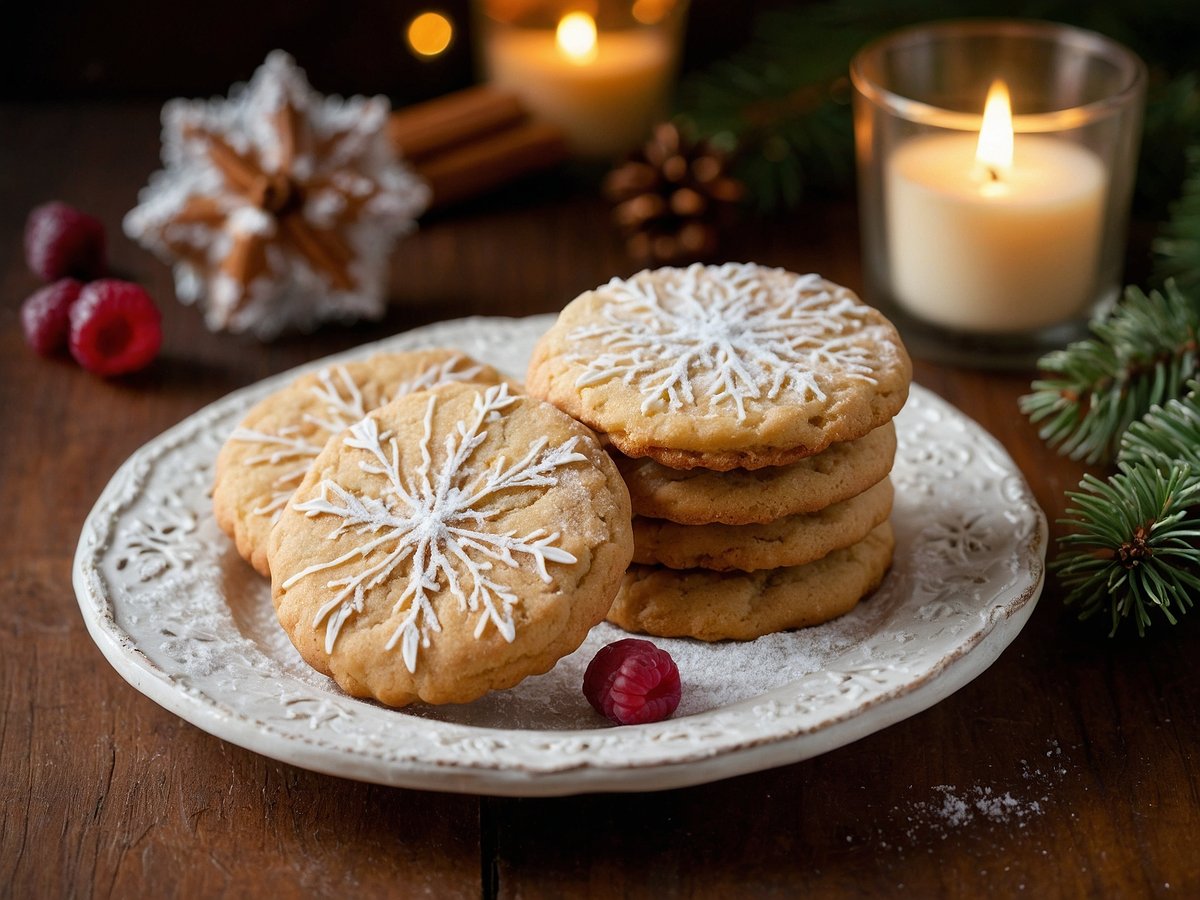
724 334
434 521
342 402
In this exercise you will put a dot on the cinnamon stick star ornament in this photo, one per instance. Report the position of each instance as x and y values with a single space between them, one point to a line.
278 207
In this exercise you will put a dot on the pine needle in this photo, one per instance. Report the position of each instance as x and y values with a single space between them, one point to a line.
1168 434
1141 355
1133 549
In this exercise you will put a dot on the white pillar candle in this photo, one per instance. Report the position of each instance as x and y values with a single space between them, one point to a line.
605 93
994 247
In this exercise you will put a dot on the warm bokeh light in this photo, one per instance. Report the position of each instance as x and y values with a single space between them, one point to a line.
576 37
650 12
429 34
995 151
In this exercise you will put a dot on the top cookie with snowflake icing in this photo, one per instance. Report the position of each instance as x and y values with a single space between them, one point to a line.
268 454
451 543
723 366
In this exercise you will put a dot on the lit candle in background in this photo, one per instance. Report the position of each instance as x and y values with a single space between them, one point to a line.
604 88
576 38
429 34
994 232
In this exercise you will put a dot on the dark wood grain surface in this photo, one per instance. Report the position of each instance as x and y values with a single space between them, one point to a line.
104 793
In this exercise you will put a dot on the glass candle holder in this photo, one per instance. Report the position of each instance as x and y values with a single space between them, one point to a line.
602 70
996 164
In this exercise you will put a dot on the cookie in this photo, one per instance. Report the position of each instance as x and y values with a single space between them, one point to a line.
791 541
268 454
757 496
715 606
722 367
449 544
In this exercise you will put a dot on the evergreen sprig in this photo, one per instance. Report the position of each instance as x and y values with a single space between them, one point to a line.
1133 543
1132 546
780 107
1141 355
1167 435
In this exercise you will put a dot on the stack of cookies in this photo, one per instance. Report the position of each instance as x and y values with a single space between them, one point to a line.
749 410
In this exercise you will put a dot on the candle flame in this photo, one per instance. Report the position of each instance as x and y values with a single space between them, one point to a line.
576 37
995 152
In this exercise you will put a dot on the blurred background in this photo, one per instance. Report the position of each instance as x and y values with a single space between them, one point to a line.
148 49
767 75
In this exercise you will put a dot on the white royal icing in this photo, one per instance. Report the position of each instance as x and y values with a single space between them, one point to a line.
723 334
342 406
433 521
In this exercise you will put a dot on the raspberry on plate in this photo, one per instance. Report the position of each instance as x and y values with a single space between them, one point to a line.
46 316
115 328
60 241
632 682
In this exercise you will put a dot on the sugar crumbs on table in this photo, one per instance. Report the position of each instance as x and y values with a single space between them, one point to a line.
953 808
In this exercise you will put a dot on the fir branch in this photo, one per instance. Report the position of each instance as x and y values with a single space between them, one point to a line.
780 107
1178 245
1140 356
1133 544
1167 435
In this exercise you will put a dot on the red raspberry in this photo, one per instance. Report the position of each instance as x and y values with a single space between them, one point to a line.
115 328
632 682
46 316
60 240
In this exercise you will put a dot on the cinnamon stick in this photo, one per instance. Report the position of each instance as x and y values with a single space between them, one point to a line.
239 173
242 264
434 127
324 250
491 161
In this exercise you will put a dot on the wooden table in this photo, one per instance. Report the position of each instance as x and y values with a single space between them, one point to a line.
105 793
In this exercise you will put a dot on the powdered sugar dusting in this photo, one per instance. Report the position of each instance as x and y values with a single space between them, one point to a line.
951 808
713 675
954 807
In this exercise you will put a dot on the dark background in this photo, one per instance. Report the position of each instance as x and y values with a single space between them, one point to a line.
154 49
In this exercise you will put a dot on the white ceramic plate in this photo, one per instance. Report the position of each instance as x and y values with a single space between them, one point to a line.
190 625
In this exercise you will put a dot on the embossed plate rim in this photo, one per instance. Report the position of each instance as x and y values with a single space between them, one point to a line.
741 737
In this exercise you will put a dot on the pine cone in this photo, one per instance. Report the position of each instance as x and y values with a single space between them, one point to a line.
671 197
